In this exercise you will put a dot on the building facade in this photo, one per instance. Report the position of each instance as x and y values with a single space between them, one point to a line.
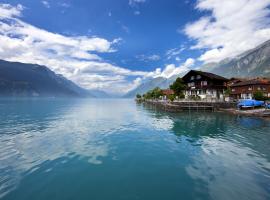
246 89
205 85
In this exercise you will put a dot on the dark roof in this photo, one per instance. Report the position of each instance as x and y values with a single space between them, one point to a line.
207 74
258 81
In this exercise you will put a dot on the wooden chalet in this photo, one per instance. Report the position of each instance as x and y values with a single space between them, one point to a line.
246 89
205 85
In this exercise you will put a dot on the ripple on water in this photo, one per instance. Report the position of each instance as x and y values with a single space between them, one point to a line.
115 145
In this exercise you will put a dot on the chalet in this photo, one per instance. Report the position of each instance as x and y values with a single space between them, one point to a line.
246 89
166 93
205 85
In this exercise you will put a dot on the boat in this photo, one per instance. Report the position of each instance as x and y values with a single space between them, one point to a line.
249 103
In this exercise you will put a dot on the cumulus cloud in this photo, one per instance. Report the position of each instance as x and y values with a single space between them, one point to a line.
171 69
230 27
75 57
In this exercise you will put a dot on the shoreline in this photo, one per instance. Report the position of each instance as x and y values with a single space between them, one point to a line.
258 112
225 107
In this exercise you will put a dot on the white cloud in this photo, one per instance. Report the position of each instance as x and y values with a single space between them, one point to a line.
75 57
171 69
135 2
46 4
64 4
135 5
232 27
8 11
137 12
171 53
153 57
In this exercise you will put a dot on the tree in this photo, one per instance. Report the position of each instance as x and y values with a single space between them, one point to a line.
156 93
228 92
138 96
172 97
258 95
153 94
178 87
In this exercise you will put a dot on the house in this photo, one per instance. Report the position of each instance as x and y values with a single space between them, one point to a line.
205 85
246 89
166 93
235 80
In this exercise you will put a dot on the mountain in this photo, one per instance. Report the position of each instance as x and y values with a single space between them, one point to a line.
252 63
148 85
19 79
99 94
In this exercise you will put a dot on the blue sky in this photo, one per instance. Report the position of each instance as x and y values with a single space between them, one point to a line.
116 45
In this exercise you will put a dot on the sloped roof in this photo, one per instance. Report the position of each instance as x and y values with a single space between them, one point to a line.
207 74
257 81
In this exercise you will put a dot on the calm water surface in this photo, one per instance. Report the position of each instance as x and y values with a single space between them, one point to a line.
114 149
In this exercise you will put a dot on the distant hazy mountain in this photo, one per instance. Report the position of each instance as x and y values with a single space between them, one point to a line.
18 79
252 63
148 85
99 94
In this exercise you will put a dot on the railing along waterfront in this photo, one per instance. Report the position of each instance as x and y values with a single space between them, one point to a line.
186 104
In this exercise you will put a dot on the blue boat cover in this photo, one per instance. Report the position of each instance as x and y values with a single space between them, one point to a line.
250 103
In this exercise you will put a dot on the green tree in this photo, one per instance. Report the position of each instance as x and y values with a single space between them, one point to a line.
178 87
258 95
156 93
171 97
228 92
138 96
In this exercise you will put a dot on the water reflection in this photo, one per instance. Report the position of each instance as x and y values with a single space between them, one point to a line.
231 159
200 154
36 131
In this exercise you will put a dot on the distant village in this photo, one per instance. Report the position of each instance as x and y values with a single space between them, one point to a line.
199 85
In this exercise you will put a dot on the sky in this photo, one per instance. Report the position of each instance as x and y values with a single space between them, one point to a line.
115 45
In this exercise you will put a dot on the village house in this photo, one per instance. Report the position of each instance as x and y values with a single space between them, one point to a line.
205 85
246 89
166 93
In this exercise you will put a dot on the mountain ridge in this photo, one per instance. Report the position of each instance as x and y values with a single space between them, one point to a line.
32 80
251 63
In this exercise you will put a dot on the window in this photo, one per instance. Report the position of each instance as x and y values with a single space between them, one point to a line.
203 83
192 78
191 84
198 77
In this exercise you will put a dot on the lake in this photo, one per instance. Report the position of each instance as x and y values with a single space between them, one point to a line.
102 149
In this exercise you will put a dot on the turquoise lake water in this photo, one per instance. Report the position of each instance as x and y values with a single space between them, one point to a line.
54 149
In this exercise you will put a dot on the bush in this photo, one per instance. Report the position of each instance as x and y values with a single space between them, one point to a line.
181 96
172 97
258 95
